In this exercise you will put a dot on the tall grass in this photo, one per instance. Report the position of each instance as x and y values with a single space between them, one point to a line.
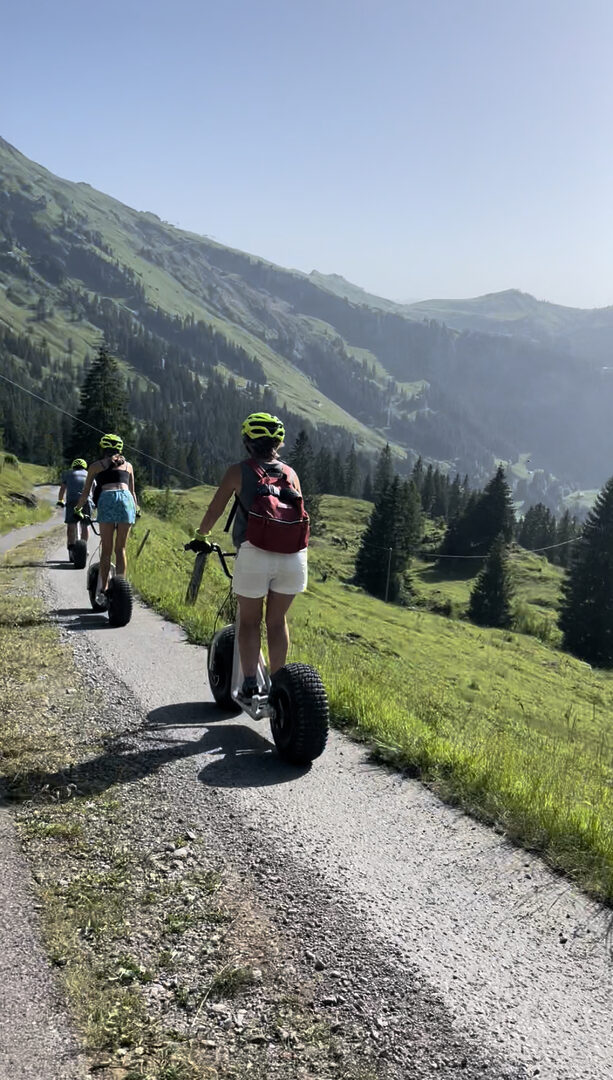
499 723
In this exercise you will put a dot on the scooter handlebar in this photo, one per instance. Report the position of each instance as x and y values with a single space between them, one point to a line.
206 548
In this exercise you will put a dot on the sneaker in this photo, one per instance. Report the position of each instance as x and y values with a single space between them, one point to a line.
101 599
249 687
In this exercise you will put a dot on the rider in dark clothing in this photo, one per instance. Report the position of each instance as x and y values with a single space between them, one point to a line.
73 482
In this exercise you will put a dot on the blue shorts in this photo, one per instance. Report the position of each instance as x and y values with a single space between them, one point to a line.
116 508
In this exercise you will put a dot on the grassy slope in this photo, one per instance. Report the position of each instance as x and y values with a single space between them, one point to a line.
503 724
20 478
178 288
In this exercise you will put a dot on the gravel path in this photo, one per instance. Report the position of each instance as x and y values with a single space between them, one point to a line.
459 950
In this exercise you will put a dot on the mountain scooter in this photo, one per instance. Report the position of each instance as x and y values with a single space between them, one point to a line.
118 599
294 701
77 551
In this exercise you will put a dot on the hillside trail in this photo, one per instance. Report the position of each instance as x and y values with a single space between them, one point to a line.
48 493
511 957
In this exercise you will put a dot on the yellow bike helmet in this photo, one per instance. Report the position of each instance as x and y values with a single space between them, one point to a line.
79 463
261 425
111 442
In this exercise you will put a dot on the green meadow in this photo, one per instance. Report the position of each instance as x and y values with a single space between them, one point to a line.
501 723
18 478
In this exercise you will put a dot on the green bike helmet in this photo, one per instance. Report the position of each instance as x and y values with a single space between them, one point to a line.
79 463
111 442
261 425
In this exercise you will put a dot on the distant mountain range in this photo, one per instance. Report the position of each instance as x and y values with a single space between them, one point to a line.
462 382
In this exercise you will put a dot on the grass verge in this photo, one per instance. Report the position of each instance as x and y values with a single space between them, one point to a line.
500 723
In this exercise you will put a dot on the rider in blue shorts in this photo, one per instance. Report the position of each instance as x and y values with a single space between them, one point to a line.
116 502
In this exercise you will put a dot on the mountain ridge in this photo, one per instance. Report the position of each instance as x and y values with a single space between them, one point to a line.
75 262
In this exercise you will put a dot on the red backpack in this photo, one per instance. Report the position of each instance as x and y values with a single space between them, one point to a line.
277 520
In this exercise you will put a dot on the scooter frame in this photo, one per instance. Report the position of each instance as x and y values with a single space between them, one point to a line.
257 707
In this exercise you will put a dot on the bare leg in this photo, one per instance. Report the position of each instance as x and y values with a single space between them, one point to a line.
84 530
107 532
121 539
72 534
277 633
249 634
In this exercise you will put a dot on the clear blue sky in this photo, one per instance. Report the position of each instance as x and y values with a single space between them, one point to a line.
418 147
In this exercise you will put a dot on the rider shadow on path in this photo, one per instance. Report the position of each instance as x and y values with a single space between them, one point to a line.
81 618
239 755
245 757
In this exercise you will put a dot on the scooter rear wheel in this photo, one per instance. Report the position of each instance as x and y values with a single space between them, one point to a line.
300 719
219 666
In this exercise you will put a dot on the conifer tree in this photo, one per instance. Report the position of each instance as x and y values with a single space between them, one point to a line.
427 490
417 474
456 500
490 599
391 535
323 471
486 514
367 491
104 406
351 473
586 613
302 460
568 529
384 472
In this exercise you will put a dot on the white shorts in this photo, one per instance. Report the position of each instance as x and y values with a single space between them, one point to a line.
257 571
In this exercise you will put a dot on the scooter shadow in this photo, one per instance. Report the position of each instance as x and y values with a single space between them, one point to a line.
79 619
239 756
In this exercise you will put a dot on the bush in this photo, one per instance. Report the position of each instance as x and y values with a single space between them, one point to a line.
528 621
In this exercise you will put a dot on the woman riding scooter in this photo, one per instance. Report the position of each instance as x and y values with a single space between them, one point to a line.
116 504
73 482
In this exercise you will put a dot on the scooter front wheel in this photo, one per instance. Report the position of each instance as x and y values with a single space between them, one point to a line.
92 587
300 717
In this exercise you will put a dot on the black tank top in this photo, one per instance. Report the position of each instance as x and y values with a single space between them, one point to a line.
112 475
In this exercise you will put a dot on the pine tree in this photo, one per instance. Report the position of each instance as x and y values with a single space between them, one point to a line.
490 599
384 472
323 471
586 613
456 501
194 463
104 406
391 534
486 514
367 491
427 490
417 474
351 473
302 460
568 529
